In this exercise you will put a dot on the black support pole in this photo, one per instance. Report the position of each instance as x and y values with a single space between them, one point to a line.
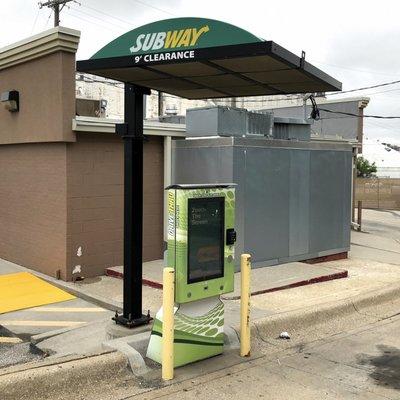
132 134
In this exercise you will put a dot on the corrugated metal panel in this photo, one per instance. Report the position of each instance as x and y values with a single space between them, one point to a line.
299 202
266 232
329 198
202 165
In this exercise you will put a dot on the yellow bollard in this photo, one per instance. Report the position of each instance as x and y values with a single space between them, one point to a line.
167 352
245 268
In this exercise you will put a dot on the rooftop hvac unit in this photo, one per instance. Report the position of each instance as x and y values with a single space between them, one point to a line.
171 109
227 121
172 119
259 124
216 121
91 107
291 129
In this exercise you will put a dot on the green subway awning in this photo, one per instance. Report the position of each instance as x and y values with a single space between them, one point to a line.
198 58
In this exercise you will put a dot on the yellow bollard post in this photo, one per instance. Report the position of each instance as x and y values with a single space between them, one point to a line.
167 352
245 268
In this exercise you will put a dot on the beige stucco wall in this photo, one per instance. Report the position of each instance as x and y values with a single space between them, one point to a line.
95 188
33 206
46 87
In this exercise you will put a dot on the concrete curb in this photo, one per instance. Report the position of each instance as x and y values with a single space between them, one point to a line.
146 282
231 338
129 346
133 346
98 300
49 379
293 321
317 279
35 339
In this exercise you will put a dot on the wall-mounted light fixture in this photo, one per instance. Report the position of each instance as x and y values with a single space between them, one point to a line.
10 100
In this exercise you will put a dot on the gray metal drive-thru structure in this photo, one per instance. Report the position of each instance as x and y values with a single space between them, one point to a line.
293 198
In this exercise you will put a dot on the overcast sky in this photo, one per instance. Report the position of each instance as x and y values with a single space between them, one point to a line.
357 42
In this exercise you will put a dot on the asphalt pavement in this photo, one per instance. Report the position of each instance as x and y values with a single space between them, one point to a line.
362 363
383 223
17 329
14 350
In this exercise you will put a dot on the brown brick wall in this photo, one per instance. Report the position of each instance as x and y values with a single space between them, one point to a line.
33 206
95 202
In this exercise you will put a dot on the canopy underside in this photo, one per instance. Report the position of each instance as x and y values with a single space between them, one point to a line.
251 69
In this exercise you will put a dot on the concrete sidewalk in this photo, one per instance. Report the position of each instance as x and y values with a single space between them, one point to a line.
106 291
365 277
264 280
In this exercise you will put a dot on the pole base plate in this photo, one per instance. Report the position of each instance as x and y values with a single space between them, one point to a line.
132 322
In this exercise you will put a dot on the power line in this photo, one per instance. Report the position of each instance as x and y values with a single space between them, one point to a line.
108 15
364 88
34 23
102 20
92 22
382 91
47 21
153 7
356 70
378 124
358 116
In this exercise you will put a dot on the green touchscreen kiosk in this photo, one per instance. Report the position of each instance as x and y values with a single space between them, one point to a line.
201 239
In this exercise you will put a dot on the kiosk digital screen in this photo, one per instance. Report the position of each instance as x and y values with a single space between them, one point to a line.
205 238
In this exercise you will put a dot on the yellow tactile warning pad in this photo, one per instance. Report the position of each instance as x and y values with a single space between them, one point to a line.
24 290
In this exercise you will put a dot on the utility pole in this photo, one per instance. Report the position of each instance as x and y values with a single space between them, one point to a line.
55 5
